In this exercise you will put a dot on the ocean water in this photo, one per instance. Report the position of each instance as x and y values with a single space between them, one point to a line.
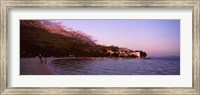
159 66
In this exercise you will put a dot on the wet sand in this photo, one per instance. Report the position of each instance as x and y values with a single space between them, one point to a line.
33 66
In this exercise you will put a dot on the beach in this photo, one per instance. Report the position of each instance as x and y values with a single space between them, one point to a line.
33 66
99 66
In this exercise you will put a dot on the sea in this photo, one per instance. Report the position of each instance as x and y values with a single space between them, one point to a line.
154 66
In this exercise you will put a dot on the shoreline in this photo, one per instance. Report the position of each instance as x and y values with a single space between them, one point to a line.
89 58
93 58
32 66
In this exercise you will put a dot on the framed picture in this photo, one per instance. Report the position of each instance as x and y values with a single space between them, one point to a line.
100 47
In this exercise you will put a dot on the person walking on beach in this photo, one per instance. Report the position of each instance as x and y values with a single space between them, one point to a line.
40 57
45 60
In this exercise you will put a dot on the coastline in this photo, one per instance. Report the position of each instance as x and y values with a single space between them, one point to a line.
32 66
93 66
98 58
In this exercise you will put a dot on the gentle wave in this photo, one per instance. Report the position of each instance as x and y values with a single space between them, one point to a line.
117 66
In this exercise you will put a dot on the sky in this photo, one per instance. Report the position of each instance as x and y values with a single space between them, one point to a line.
156 37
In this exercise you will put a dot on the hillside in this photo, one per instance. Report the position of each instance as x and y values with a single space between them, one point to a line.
35 39
56 30
39 38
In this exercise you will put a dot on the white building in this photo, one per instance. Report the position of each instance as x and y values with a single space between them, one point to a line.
137 53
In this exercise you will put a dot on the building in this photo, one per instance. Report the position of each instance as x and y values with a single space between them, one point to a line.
110 51
125 52
136 53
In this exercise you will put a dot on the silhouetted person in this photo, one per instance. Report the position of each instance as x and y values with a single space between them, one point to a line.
40 57
45 60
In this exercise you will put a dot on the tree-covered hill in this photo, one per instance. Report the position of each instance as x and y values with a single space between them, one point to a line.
34 41
37 38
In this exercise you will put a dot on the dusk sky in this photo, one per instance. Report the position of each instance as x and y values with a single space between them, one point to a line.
156 37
